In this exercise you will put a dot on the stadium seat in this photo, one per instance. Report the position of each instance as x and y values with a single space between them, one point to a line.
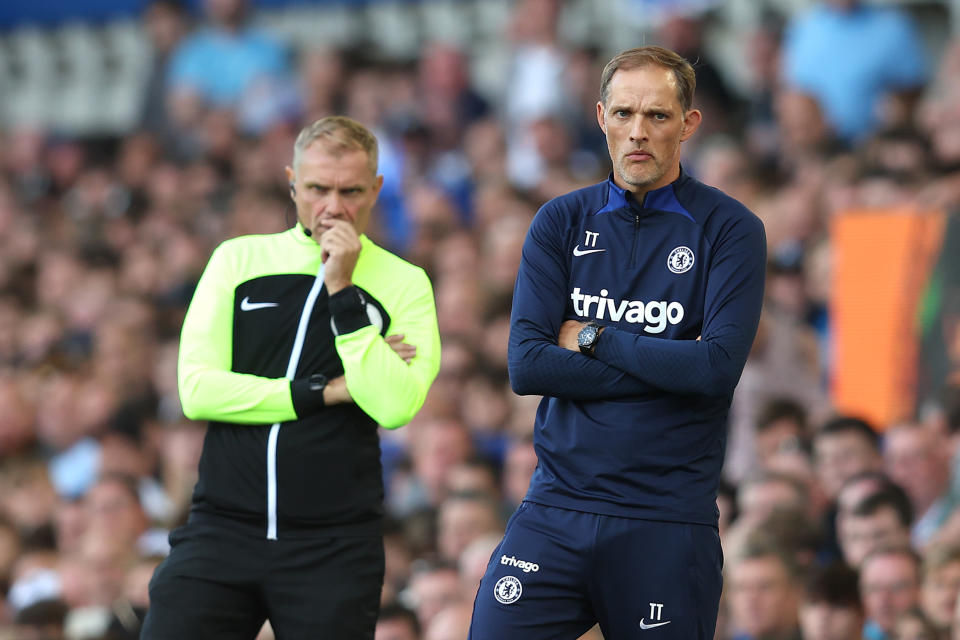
32 78
447 20
128 66
393 27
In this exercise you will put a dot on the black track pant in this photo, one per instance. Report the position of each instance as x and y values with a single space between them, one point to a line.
217 583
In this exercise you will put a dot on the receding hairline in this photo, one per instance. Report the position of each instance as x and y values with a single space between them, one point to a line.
684 76
337 136
671 78
327 148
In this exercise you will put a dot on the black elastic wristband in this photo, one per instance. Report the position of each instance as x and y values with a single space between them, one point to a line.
348 309
305 401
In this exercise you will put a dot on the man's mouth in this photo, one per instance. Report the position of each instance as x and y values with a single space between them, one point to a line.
639 156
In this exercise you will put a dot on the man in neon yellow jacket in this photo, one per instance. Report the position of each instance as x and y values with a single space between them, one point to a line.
295 347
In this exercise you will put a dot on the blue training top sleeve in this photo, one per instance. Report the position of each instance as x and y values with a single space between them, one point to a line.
537 365
733 299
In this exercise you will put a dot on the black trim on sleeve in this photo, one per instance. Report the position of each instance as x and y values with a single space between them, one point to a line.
305 401
349 311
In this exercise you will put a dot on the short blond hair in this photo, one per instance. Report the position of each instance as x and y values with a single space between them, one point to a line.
644 56
337 134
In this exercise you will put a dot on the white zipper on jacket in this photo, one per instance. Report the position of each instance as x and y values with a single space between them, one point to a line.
275 429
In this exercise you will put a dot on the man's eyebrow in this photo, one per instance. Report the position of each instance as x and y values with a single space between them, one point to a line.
316 183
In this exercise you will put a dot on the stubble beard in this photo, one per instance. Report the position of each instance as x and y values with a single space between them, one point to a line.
642 178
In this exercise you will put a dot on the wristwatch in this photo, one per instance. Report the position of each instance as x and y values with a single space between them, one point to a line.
587 338
316 384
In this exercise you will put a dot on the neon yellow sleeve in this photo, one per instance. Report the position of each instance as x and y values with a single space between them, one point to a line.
209 390
388 389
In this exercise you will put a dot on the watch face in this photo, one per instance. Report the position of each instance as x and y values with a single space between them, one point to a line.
586 336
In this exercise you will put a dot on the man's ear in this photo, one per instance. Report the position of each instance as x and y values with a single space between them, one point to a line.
691 122
603 125
291 178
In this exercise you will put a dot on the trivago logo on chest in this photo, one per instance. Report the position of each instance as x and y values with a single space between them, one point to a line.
654 313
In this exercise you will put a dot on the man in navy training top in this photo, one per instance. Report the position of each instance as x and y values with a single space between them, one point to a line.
635 307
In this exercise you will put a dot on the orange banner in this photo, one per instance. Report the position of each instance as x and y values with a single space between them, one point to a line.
881 261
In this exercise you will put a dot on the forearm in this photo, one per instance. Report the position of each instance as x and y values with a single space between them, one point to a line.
384 386
224 396
732 300
710 366
381 383
209 389
539 367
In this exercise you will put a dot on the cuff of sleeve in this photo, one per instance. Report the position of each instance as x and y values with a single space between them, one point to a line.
305 401
601 349
349 311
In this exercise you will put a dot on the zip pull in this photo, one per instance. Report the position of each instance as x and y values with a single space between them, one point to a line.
636 236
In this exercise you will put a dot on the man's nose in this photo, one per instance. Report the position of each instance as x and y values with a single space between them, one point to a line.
333 204
638 129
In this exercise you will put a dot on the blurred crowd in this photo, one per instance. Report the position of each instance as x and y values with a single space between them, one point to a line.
833 528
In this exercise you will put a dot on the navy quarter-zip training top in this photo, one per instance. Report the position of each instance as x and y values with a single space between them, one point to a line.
638 430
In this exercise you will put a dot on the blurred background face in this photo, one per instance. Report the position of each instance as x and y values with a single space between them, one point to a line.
915 460
461 522
780 435
823 621
758 500
432 591
473 478
859 535
520 465
763 599
889 586
939 593
840 456
436 447
165 26
113 511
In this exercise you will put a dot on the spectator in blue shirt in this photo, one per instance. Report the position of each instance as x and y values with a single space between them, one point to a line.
229 64
849 55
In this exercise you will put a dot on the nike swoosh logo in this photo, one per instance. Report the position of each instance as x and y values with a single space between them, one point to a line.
577 251
644 625
246 305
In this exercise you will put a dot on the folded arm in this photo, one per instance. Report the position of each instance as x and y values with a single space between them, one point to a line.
712 364
537 364
209 390
381 382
